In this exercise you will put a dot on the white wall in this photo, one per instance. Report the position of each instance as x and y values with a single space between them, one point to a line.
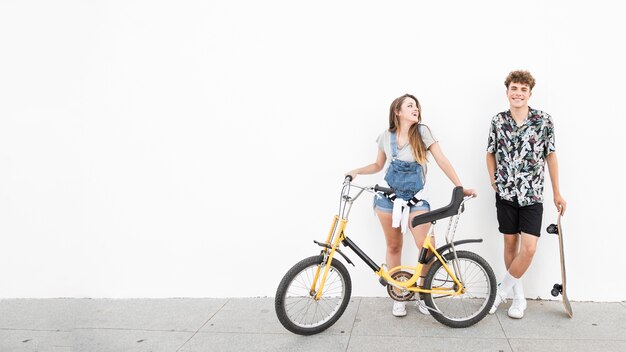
196 149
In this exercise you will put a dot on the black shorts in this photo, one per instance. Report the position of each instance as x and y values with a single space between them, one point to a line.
513 219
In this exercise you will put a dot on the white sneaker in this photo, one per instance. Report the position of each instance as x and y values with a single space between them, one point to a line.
421 306
399 309
499 299
517 308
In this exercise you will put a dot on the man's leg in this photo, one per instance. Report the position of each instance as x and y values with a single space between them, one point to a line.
511 248
518 267
524 258
530 223
508 221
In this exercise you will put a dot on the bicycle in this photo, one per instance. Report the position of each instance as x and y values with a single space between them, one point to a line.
458 289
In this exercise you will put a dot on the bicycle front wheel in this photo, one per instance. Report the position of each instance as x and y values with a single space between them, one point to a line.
470 307
295 303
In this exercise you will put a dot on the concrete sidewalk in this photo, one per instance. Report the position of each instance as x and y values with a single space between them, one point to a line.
250 324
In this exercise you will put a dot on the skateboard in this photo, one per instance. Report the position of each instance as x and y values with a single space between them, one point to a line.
557 289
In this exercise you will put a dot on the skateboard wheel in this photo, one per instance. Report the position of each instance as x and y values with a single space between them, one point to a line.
556 289
552 229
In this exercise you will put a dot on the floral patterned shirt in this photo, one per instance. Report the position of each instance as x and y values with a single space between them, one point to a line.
520 153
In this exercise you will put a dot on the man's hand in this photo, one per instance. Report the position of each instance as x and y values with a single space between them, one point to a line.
560 203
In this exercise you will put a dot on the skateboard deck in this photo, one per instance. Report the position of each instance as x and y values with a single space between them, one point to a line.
561 288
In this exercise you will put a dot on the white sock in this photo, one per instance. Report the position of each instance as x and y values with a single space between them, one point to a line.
507 284
518 290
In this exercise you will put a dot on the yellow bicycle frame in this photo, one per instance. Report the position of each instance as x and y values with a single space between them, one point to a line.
410 285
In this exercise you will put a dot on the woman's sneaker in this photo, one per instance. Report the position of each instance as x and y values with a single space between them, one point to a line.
517 308
421 306
399 309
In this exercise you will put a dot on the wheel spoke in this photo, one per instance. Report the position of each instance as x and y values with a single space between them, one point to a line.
301 311
467 308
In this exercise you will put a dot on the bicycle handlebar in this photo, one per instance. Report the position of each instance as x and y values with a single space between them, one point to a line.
390 191
385 190
376 188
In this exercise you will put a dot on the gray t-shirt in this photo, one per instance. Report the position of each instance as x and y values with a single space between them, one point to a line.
406 152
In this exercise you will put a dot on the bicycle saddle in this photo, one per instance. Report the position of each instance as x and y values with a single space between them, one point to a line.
441 213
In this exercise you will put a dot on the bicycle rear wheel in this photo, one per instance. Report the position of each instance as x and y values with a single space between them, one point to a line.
470 307
295 303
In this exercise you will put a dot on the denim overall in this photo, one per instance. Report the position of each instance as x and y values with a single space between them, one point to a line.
406 178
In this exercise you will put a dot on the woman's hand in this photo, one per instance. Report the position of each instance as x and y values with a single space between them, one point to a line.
352 174
469 192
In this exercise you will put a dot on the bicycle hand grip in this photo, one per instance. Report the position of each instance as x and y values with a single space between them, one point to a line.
385 190
348 178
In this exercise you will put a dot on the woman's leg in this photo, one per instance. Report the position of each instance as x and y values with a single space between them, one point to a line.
419 235
393 237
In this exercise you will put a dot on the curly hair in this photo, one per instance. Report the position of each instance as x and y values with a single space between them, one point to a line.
520 76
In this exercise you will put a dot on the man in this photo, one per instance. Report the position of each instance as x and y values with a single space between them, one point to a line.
521 142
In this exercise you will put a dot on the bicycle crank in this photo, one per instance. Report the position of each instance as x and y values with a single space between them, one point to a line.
400 293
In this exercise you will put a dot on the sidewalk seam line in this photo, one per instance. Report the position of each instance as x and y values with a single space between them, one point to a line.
353 322
200 328
504 332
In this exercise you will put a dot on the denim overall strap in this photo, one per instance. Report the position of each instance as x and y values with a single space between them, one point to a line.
394 145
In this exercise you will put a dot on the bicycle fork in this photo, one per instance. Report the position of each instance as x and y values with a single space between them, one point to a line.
328 252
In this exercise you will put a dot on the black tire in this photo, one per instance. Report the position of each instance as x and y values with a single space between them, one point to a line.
296 308
467 309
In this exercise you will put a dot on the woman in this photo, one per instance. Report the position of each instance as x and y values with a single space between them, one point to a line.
403 148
